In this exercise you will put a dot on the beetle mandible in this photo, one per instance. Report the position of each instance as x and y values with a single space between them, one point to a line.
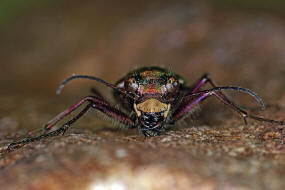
154 97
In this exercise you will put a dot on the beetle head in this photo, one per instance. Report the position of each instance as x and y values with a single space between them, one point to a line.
151 82
155 91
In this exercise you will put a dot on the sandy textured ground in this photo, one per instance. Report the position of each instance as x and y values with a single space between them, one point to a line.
216 151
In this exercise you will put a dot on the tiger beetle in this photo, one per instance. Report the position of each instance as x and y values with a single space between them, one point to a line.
152 98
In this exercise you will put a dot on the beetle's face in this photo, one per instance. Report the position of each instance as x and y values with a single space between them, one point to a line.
152 114
155 91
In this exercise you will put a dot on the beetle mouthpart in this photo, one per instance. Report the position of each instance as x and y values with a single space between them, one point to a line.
139 113
152 105
167 111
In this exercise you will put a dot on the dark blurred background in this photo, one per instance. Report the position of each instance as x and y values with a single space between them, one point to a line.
42 42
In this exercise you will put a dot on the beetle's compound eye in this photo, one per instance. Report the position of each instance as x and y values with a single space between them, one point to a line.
171 84
132 85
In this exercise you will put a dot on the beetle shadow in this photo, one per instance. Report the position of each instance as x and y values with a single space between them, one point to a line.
213 114
115 130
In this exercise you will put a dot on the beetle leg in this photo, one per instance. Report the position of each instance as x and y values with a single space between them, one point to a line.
194 99
101 105
186 106
98 104
206 79
202 81
61 130
114 113
63 114
94 102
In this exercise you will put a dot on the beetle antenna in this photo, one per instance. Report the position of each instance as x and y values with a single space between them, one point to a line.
58 91
240 89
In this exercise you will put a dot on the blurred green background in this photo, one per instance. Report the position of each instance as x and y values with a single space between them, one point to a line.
11 9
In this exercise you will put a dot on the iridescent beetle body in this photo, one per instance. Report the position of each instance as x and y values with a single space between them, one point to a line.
152 98
157 92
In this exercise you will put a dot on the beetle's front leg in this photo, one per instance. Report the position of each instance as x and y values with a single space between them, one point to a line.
205 79
193 101
93 102
202 81
97 103
61 130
